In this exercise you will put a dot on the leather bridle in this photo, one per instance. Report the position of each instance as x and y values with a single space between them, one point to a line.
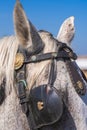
23 57
64 52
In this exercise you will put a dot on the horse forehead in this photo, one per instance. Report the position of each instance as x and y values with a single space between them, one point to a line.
48 38
45 33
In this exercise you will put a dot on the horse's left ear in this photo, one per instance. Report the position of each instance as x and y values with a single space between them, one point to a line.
67 31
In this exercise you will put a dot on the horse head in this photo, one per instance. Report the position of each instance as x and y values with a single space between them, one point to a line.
34 68
39 43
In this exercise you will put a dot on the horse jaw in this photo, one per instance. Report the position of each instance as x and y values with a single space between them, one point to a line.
67 31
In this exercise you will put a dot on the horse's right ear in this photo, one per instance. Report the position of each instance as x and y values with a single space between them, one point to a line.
26 33
21 24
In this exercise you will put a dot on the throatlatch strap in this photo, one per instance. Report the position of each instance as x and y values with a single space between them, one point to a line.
24 101
21 86
76 77
2 91
52 75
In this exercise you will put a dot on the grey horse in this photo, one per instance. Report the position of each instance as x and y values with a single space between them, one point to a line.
74 115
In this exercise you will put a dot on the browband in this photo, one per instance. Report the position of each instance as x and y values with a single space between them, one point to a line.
65 53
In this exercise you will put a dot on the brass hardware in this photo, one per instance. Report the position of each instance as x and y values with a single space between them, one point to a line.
40 105
19 60
80 85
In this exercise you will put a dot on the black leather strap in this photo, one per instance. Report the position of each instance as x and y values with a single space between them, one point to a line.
76 78
52 75
21 86
2 91
83 75
47 56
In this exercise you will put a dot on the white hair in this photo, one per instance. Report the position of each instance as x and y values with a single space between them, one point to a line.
8 49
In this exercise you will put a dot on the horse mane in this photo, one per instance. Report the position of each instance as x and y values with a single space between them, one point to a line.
8 49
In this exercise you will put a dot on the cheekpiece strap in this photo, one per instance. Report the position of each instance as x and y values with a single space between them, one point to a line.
76 78
21 87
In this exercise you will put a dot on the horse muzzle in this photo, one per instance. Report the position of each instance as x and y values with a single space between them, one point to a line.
46 105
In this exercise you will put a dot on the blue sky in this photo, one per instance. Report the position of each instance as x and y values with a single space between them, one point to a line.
49 15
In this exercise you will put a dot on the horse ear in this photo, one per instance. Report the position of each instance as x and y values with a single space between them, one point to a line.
67 31
21 24
26 33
